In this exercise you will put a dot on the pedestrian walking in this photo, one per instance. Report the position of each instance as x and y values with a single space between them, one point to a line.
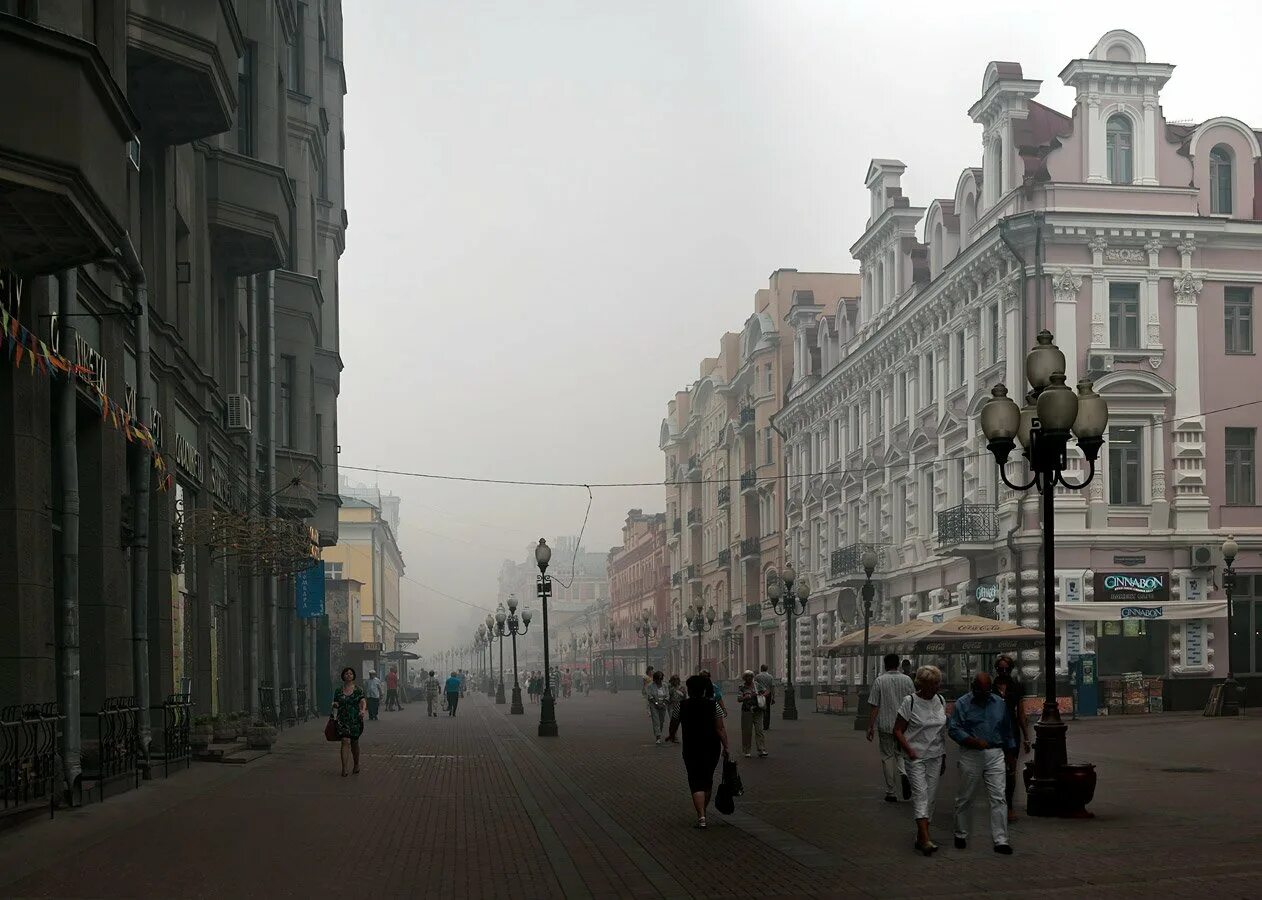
648 679
1012 691
716 688
675 698
372 691
979 724
455 688
767 684
567 683
392 690
463 679
921 731
348 711
704 738
657 695
886 696
431 693
753 703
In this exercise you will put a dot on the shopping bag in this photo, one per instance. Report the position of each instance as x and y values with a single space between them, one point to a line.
723 799
732 777
330 730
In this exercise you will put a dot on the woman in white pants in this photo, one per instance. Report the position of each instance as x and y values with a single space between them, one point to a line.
921 731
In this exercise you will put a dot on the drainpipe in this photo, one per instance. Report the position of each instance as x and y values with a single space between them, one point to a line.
68 635
140 498
252 467
270 582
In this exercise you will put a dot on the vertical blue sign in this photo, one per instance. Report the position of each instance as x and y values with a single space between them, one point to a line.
309 587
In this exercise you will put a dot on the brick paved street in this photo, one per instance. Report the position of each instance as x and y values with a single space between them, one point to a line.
480 807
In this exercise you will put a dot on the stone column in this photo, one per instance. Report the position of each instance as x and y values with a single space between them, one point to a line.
1191 504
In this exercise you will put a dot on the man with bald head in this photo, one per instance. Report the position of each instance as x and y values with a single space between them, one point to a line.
980 725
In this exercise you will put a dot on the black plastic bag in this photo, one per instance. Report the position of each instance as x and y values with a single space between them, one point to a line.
723 799
732 777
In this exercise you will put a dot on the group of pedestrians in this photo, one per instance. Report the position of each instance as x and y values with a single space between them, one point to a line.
989 726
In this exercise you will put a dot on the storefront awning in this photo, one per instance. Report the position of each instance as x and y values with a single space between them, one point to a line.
961 634
1116 612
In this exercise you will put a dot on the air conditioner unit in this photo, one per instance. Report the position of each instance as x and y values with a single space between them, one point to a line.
1202 556
1099 364
240 418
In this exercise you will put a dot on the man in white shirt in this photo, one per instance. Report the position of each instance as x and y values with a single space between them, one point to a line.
887 695
372 690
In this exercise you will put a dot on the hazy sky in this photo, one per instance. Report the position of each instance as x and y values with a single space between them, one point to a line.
556 209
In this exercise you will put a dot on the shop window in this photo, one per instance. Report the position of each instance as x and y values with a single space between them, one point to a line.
1125 466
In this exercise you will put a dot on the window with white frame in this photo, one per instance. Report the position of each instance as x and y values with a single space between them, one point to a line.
1124 315
852 522
959 358
878 414
1220 180
927 504
1119 149
994 334
1126 465
898 529
900 398
930 393
333 570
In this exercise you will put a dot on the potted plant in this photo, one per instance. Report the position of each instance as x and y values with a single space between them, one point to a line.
260 736
227 727
201 732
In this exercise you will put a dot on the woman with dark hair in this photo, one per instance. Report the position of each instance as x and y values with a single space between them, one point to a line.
349 708
701 720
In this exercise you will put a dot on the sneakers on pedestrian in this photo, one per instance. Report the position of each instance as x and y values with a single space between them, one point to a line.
658 742
700 823
763 755
747 755
906 788
961 843
1005 849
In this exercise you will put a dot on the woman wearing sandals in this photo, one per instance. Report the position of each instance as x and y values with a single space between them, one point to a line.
921 731
349 708
704 735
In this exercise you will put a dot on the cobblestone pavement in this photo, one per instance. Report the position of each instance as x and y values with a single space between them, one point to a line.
478 806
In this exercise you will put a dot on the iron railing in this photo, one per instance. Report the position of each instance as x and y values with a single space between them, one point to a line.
267 703
726 620
748 480
849 560
747 416
694 462
676 526
725 557
287 704
725 495
300 695
118 741
28 756
177 719
690 572
677 578
694 518
750 547
969 523
753 612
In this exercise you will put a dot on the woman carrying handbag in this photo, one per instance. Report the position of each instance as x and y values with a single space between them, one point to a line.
921 732
347 718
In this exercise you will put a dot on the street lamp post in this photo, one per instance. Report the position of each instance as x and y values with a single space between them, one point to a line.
611 672
515 626
543 589
489 640
646 631
497 633
589 641
862 709
1052 414
699 623
479 641
788 594
1231 697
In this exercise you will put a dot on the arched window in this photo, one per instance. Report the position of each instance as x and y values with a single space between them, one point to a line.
1220 183
1119 148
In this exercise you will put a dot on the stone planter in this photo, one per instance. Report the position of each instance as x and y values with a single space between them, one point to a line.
260 736
200 736
227 729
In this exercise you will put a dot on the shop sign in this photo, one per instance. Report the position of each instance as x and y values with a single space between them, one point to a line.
1073 589
1142 612
188 457
94 368
1132 587
11 289
1194 642
309 592
1073 639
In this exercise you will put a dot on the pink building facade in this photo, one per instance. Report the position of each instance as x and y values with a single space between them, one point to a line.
1137 241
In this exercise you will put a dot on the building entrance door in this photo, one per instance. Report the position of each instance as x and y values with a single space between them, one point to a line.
1246 638
1133 645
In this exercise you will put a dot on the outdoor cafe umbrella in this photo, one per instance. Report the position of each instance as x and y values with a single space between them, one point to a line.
963 634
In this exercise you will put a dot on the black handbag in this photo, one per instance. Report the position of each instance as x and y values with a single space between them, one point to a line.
732 777
723 799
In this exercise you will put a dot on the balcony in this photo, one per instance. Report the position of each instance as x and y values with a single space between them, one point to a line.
750 548
249 205
677 579
694 518
749 481
182 60
725 558
746 418
675 528
64 140
970 525
849 560
694 463
725 496
691 573
299 299
726 620
301 500
753 613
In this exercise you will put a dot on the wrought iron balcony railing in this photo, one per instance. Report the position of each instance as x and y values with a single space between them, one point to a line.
849 560
969 523
747 416
753 612
748 480
725 495
750 547
694 518
725 557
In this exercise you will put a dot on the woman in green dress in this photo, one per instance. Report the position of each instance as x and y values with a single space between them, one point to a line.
349 708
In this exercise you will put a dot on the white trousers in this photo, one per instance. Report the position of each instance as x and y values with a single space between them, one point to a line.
923 775
977 768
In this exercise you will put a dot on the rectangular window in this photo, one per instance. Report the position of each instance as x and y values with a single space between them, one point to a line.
1240 466
333 570
878 413
770 386
1124 315
1238 319
994 334
930 523
1125 466
900 398
246 99
957 477
285 402
959 358
930 394
296 60
899 524
767 446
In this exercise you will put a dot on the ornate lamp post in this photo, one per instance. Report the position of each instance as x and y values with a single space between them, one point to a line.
788 595
488 640
498 633
589 641
699 624
543 589
1052 414
862 710
646 630
1231 697
611 673
514 626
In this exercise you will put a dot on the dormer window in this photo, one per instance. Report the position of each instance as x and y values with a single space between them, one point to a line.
1119 148
1220 182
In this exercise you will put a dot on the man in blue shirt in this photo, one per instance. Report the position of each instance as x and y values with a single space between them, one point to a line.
980 725
453 693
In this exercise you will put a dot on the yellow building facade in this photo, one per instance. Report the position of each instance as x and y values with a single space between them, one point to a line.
367 551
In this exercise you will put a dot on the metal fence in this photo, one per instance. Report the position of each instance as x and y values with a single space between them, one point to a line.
969 523
118 741
287 704
28 756
304 711
267 703
177 719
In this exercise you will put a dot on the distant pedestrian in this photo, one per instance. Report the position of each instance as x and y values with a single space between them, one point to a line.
753 702
1012 691
657 696
921 731
704 737
567 683
373 692
979 724
462 677
348 710
454 687
392 690
716 688
431 693
886 696
767 684
905 668
673 702
648 679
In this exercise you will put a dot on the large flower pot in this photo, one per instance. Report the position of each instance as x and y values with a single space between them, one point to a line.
200 736
226 730
1077 783
260 736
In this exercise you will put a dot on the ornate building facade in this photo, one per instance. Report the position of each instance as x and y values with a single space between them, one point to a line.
1135 240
